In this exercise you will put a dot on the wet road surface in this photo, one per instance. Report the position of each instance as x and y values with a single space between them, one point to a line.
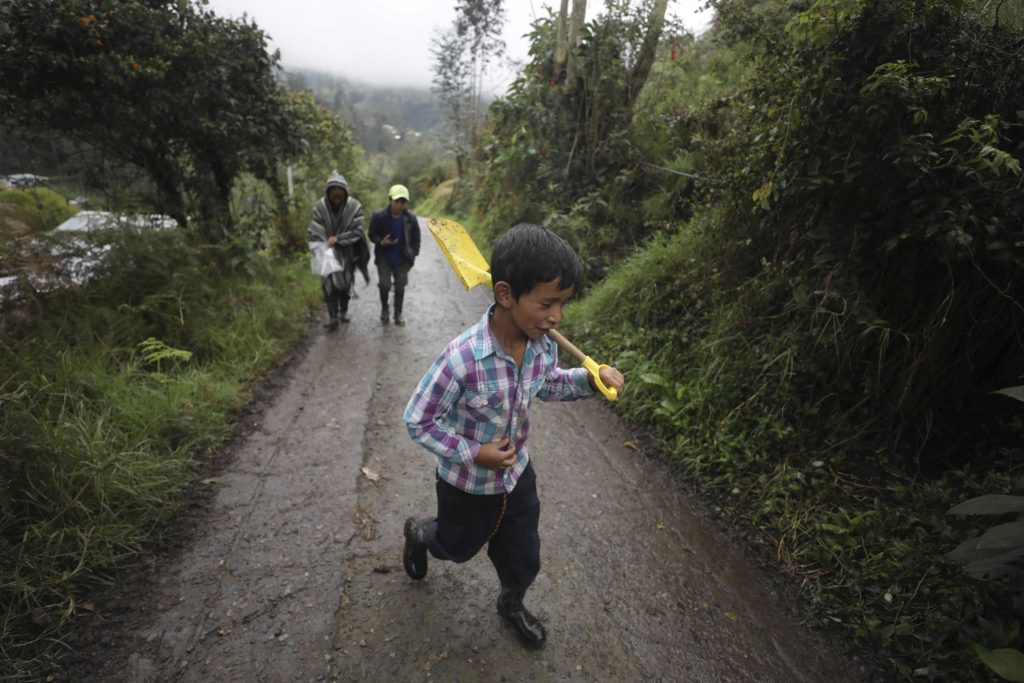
292 571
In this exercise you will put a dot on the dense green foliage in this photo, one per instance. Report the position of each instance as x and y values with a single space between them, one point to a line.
111 394
33 210
115 391
820 289
560 151
880 146
189 98
803 244
996 554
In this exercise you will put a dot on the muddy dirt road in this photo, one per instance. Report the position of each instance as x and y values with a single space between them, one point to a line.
292 570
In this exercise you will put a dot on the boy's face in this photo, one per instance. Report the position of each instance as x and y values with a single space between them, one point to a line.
540 309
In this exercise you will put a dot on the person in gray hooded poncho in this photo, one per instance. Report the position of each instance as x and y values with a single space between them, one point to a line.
338 221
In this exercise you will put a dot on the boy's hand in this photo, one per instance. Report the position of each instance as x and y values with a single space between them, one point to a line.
497 455
612 378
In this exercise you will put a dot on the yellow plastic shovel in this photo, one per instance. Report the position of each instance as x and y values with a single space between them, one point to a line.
472 269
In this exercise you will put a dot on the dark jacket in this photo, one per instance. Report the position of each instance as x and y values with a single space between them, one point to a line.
379 228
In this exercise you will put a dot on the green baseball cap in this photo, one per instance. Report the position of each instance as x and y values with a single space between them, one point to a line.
399 192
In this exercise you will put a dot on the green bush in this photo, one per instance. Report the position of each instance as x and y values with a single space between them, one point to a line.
112 391
725 390
38 208
880 182
817 348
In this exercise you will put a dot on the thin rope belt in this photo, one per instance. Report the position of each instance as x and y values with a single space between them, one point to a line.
504 506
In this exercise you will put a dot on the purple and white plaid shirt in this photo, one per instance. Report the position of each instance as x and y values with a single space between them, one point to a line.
474 394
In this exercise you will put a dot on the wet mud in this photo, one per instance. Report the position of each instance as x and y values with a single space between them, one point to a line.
287 567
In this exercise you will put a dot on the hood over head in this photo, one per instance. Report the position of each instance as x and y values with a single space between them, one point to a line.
337 180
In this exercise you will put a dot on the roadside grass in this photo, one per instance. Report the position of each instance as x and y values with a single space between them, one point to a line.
439 203
730 398
110 394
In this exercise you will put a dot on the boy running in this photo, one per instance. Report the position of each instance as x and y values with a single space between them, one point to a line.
471 411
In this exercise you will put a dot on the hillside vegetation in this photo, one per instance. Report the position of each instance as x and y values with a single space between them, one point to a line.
804 248
802 240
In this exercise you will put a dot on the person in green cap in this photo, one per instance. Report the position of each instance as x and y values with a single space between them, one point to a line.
395 233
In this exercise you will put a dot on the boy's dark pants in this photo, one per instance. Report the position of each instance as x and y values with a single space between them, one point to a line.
507 523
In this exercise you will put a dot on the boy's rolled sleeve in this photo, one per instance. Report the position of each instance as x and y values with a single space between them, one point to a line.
566 385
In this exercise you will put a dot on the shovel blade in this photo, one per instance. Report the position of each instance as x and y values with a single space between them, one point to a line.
469 264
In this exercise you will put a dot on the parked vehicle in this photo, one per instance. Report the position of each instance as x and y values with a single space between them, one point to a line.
22 180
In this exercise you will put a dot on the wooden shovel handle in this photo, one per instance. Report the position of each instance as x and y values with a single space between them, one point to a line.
567 346
587 362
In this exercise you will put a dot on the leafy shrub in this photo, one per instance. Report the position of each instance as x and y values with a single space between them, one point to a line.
98 440
817 346
38 208
998 554
559 151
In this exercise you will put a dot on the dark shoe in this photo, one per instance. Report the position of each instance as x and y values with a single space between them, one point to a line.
510 606
399 301
384 319
414 557
343 308
331 324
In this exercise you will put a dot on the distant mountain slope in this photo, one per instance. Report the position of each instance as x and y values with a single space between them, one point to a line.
376 114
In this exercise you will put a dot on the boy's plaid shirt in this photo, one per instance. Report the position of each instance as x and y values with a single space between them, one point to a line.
473 395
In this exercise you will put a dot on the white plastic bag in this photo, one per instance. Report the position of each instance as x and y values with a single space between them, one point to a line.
322 259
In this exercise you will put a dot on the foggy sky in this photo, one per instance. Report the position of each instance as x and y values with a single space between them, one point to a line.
387 42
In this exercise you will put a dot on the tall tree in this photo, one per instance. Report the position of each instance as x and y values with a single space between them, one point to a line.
480 23
645 60
564 145
165 85
452 83
568 38
461 58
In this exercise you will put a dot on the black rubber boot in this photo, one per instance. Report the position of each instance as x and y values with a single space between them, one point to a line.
399 300
510 606
414 556
332 313
343 308
384 313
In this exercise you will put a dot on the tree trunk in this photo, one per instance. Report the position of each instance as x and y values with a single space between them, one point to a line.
561 43
165 178
642 68
579 14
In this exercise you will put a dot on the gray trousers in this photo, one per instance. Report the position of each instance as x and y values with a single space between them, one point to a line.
385 274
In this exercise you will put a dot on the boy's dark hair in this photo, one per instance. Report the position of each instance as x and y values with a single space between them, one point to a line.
528 255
